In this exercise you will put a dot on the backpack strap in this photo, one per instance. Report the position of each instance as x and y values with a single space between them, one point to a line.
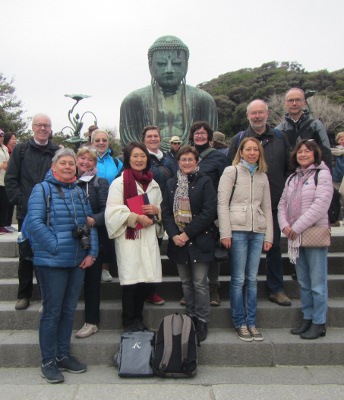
207 151
185 337
316 177
47 195
290 178
168 342
239 138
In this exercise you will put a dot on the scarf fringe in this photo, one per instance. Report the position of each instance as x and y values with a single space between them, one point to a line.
293 249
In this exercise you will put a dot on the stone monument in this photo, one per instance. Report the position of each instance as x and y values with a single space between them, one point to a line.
168 101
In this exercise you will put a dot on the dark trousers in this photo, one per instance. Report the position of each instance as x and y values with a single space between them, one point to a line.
274 269
25 275
5 206
92 292
133 298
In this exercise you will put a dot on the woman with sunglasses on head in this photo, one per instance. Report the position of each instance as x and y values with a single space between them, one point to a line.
246 228
108 167
97 191
304 203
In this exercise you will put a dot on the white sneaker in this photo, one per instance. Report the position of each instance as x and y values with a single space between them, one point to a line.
11 229
86 331
106 277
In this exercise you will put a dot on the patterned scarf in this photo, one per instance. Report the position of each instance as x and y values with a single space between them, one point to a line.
181 202
130 177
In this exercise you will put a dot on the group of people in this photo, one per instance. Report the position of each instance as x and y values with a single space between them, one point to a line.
199 195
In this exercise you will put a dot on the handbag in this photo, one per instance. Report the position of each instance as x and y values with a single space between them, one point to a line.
135 353
316 236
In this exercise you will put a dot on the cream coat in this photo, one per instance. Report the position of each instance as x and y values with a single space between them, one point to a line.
250 208
4 156
138 260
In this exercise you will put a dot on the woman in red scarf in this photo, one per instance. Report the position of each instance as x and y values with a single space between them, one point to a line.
135 230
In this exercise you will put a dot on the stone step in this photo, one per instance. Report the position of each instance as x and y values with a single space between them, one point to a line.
9 266
222 348
9 247
269 315
170 288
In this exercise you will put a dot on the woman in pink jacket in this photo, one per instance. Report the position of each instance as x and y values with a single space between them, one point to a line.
305 201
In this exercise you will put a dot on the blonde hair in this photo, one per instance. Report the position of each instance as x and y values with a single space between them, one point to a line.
339 135
90 150
95 133
262 166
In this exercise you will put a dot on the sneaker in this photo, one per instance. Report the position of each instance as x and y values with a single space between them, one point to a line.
4 230
106 276
11 229
71 364
86 331
155 299
22 304
51 373
256 335
214 295
243 333
280 298
182 301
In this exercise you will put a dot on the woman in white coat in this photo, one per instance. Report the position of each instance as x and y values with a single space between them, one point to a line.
135 233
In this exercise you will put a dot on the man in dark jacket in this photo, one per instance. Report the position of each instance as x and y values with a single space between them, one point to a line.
299 125
28 165
276 152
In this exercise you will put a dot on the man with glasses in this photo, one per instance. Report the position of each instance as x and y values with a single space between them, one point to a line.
276 153
171 154
299 125
28 165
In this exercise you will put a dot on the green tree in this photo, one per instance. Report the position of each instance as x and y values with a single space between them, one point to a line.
11 113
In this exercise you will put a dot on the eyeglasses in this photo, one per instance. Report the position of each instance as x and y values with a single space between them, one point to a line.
200 134
175 143
290 101
100 140
187 160
45 126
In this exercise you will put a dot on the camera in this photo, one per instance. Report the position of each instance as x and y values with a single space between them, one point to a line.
82 234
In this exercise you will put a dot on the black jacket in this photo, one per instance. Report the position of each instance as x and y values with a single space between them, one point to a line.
97 195
161 170
201 230
276 153
213 166
27 166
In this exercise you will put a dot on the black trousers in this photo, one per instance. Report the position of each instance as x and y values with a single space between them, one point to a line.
133 298
92 292
25 274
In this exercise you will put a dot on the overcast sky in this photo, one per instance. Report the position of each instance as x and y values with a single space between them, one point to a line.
99 48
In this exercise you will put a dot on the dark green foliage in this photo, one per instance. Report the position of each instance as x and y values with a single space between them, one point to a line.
11 113
234 90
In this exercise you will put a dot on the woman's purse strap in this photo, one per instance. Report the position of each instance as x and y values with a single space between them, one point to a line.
233 188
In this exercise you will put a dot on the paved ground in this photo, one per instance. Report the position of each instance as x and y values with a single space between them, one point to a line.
211 383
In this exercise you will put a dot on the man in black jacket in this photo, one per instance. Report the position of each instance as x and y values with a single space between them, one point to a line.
28 165
276 153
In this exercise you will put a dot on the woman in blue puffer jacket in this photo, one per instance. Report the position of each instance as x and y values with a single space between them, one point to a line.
63 245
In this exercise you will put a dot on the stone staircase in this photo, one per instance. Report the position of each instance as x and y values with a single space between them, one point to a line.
19 329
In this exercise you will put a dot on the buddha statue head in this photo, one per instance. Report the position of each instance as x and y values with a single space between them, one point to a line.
168 62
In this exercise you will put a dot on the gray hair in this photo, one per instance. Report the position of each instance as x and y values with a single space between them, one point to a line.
63 153
96 131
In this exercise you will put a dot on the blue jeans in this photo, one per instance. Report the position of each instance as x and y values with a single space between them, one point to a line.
274 268
245 256
195 289
60 289
311 271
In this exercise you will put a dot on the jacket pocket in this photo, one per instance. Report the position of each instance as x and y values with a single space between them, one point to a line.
261 220
238 215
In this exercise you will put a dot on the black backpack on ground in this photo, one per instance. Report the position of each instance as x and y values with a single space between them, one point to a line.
175 352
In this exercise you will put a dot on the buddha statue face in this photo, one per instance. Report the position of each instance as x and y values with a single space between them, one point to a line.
168 67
